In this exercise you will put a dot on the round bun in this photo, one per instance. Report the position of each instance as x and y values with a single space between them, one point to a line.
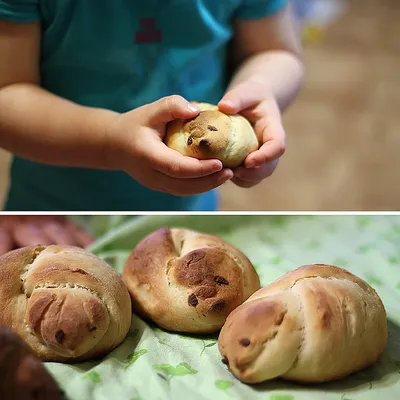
315 324
65 303
23 376
186 281
213 135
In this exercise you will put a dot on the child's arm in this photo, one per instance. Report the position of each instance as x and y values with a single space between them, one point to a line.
43 127
267 52
268 77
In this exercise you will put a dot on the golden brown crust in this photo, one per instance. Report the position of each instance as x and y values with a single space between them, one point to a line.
23 376
66 303
213 134
321 322
186 281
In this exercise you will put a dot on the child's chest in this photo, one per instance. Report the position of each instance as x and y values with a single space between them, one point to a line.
172 23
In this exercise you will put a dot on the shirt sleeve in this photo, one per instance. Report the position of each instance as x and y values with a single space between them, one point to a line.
19 10
257 9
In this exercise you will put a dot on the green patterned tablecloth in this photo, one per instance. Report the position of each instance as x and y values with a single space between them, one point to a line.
153 364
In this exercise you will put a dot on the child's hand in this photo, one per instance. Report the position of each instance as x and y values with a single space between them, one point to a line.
20 231
256 104
138 136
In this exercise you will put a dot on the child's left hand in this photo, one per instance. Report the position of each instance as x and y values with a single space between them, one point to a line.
255 103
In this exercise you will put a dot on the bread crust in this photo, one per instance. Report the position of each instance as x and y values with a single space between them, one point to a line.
315 324
213 135
67 304
186 281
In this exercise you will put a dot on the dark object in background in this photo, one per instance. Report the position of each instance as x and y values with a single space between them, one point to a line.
22 375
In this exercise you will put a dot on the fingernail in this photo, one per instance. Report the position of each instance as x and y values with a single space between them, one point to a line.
230 104
219 164
251 164
193 108
228 174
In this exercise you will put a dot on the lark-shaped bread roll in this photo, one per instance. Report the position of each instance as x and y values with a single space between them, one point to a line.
65 303
315 324
186 281
213 134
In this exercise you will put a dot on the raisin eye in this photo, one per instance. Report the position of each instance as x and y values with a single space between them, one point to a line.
189 141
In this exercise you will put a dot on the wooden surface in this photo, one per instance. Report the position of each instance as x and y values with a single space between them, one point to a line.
344 129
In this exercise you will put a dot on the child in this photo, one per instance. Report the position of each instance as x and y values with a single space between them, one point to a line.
87 88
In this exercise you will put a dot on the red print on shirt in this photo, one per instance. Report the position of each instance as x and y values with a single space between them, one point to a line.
148 32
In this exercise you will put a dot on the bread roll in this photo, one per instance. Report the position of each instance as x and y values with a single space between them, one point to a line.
186 281
315 324
67 304
23 376
213 135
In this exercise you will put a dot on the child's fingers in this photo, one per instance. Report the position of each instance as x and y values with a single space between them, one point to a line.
8 222
189 187
6 241
82 238
273 137
254 175
240 98
169 108
175 165
58 233
245 184
26 234
269 151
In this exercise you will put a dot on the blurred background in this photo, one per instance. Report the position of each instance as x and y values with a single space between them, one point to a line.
343 132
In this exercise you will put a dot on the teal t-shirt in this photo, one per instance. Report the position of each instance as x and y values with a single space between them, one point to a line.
121 54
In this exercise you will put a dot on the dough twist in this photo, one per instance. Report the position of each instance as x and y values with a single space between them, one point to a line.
186 281
67 304
317 323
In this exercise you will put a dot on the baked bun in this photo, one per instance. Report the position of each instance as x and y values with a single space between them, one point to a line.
65 303
186 281
315 324
213 135
23 376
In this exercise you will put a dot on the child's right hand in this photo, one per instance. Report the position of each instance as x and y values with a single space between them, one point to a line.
136 142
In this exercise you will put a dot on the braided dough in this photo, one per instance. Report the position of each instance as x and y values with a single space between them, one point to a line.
67 304
315 324
186 281
213 134
23 376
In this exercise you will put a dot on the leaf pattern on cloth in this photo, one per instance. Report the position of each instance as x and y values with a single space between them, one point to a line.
275 260
394 260
136 395
341 262
181 369
373 280
133 357
203 341
223 385
313 245
170 371
364 248
93 376
363 221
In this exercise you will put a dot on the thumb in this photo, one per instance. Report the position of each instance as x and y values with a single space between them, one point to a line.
239 98
169 108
